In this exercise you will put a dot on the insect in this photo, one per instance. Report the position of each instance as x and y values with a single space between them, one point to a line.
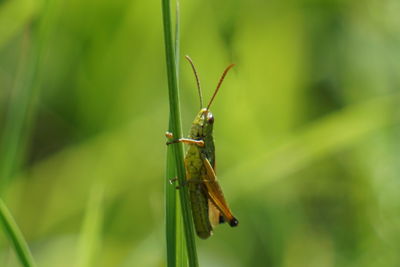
208 203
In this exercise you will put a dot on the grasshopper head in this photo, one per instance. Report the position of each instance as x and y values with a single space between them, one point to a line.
203 124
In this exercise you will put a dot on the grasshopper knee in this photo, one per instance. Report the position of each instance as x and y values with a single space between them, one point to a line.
233 222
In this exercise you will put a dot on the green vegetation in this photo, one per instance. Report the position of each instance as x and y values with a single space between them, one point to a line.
181 245
306 129
10 228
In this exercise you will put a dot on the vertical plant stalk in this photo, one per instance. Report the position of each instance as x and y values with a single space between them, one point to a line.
14 234
170 209
176 245
181 251
177 149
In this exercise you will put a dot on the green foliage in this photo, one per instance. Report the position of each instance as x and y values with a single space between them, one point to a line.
10 228
179 223
306 129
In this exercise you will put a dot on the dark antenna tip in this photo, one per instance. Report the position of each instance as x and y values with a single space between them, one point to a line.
197 80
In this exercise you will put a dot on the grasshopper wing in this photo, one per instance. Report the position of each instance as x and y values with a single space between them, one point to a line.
216 196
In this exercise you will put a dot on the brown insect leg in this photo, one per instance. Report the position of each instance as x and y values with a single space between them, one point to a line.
175 179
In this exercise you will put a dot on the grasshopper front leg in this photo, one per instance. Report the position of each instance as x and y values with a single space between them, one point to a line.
191 181
183 140
174 180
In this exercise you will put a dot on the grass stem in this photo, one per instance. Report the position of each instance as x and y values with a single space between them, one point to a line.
14 234
177 154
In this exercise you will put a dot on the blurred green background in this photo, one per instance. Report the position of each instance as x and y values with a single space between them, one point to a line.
307 129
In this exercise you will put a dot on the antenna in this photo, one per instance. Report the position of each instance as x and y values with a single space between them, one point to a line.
219 84
197 80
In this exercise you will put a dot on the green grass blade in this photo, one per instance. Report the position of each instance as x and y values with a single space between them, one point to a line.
181 252
170 209
90 238
14 234
175 128
175 241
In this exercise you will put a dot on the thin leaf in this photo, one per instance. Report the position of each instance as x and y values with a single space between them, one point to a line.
176 129
90 238
14 234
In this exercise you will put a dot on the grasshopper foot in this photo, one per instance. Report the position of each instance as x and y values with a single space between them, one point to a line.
170 135
174 180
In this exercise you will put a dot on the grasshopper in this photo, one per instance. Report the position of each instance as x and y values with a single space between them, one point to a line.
208 203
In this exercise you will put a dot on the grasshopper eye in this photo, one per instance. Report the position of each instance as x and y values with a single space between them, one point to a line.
210 119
